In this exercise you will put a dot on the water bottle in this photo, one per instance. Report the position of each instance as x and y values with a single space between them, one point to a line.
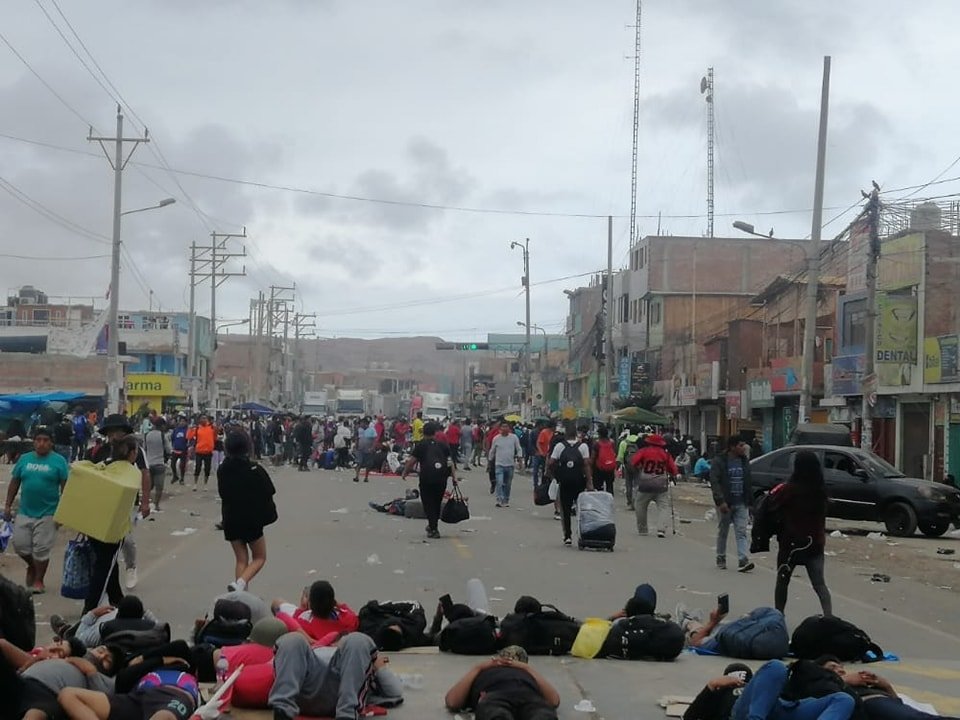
411 681
223 667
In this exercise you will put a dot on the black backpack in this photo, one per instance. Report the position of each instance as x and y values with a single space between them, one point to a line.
570 464
434 455
410 617
818 635
17 621
137 642
643 637
475 635
541 493
548 632
766 522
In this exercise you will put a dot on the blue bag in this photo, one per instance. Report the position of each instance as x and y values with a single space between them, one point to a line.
78 563
6 532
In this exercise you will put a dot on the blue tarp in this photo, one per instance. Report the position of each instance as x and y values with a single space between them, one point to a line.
26 400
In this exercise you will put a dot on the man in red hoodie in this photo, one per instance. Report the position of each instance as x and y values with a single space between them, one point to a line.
655 468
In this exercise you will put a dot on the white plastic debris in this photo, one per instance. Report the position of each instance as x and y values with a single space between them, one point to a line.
340 511
710 514
374 559
837 534
185 531
585 706
875 536
499 588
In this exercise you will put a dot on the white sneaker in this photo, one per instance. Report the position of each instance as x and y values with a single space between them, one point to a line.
131 579
238 584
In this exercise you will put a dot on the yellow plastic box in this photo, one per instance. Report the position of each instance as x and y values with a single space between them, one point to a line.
98 499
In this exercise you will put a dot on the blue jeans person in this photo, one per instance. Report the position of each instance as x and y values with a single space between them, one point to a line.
504 474
739 516
760 700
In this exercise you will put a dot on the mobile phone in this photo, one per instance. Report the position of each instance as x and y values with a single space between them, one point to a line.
446 602
723 604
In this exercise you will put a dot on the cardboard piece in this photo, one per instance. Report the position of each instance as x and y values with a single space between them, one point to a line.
98 499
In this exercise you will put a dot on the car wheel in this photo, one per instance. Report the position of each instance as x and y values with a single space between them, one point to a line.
935 528
900 519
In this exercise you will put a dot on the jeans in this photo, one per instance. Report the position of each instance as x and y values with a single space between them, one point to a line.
739 516
466 453
504 474
887 708
642 502
760 700
78 449
63 451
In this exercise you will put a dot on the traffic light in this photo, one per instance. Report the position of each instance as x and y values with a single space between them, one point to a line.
462 346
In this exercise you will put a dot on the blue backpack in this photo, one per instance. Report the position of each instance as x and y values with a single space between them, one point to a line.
760 635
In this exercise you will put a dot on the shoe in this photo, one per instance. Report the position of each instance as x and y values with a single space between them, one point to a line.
218 526
745 566
567 541
556 515
661 534
194 488
506 504
131 578
277 715
238 584
499 505
58 625
433 534
366 479
721 562
357 479
493 488
630 506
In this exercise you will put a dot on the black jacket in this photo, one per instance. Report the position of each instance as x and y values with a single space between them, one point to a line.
246 494
720 481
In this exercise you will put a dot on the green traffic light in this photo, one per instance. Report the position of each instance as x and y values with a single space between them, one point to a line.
473 346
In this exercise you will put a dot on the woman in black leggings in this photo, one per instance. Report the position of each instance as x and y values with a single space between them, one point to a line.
801 504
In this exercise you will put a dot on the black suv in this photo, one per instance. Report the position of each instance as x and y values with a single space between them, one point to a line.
864 486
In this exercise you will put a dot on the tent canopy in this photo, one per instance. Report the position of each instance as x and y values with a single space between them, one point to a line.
641 416
25 401
254 407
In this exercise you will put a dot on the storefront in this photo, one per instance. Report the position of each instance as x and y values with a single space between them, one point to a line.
155 390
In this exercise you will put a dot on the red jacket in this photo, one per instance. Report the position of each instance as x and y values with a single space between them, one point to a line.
655 465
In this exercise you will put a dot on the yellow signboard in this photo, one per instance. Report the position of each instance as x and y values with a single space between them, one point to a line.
896 339
153 385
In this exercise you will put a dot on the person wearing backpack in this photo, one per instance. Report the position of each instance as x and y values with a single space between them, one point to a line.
604 460
654 468
436 466
801 506
628 448
570 465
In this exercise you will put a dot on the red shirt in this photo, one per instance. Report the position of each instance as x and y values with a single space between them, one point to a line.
453 434
654 460
543 442
342 620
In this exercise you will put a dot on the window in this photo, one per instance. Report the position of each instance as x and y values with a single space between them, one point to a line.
654 312
841 462
642 258
855 323
151 363
124 322
41 316
623 314
783 461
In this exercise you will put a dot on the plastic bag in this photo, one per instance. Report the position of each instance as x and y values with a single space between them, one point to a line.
553 492
6 532
78 562
591 637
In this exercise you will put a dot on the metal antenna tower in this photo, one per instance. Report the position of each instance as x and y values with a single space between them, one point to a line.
636 129
706 89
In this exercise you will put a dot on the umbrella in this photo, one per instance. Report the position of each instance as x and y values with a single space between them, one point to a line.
512 418
640 415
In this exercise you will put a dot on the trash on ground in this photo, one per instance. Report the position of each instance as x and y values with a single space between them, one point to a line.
340 511
829 553
880 577
499 588
311 572
837 534
185 531
945 551
374 559
585 706
875 536
710 514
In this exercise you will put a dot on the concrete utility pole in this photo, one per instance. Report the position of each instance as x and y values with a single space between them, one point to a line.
869 381
118 163
304 326
609 355
528 380
277 324
813 254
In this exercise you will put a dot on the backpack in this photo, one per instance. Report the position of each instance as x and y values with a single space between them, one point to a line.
137 642
434 465
541 493
409 616
643 637
766 521
818 635
606 457
230 625
475 635
17 620
569 467
760 635
548 632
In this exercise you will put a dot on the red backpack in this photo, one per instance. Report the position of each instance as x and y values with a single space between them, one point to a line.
606 457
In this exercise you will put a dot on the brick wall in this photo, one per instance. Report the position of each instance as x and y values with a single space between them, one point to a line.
25 372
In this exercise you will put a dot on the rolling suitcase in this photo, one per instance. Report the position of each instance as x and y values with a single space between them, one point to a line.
596 526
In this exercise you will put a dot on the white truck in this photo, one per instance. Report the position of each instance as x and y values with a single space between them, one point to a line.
315 403
435 406
351 403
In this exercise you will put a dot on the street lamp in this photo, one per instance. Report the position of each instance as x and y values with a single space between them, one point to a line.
525 248
810 319
115 374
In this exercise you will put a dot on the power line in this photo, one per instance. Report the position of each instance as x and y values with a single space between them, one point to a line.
53 258
49 214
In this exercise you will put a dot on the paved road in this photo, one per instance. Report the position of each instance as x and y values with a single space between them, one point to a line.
327 531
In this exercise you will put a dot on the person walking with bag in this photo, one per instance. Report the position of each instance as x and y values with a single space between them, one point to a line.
247 506
733 495
801 506
436 466
570 465
654 468
604 460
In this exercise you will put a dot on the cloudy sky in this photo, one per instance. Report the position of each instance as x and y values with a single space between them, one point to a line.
521 107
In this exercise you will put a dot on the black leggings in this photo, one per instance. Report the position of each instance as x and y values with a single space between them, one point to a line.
431 495
178 462
603 480
514 705
569 492
106 572
202 459
814 565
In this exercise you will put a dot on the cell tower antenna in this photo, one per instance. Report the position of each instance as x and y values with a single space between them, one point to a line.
706 89
636 129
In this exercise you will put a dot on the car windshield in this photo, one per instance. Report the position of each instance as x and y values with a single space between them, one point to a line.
878 466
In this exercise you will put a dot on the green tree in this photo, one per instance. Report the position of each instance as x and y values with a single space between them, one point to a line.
646 400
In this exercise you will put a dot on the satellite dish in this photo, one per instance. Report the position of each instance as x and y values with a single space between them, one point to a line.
703 85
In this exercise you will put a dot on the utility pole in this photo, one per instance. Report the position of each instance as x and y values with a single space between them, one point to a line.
118 163
813 254
277 322
304 325
608 356
869 381
706 89
636 128
528 380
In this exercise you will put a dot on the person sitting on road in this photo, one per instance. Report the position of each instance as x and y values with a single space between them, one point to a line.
101 622
29 686
506 687
878 699
318 615
760 698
